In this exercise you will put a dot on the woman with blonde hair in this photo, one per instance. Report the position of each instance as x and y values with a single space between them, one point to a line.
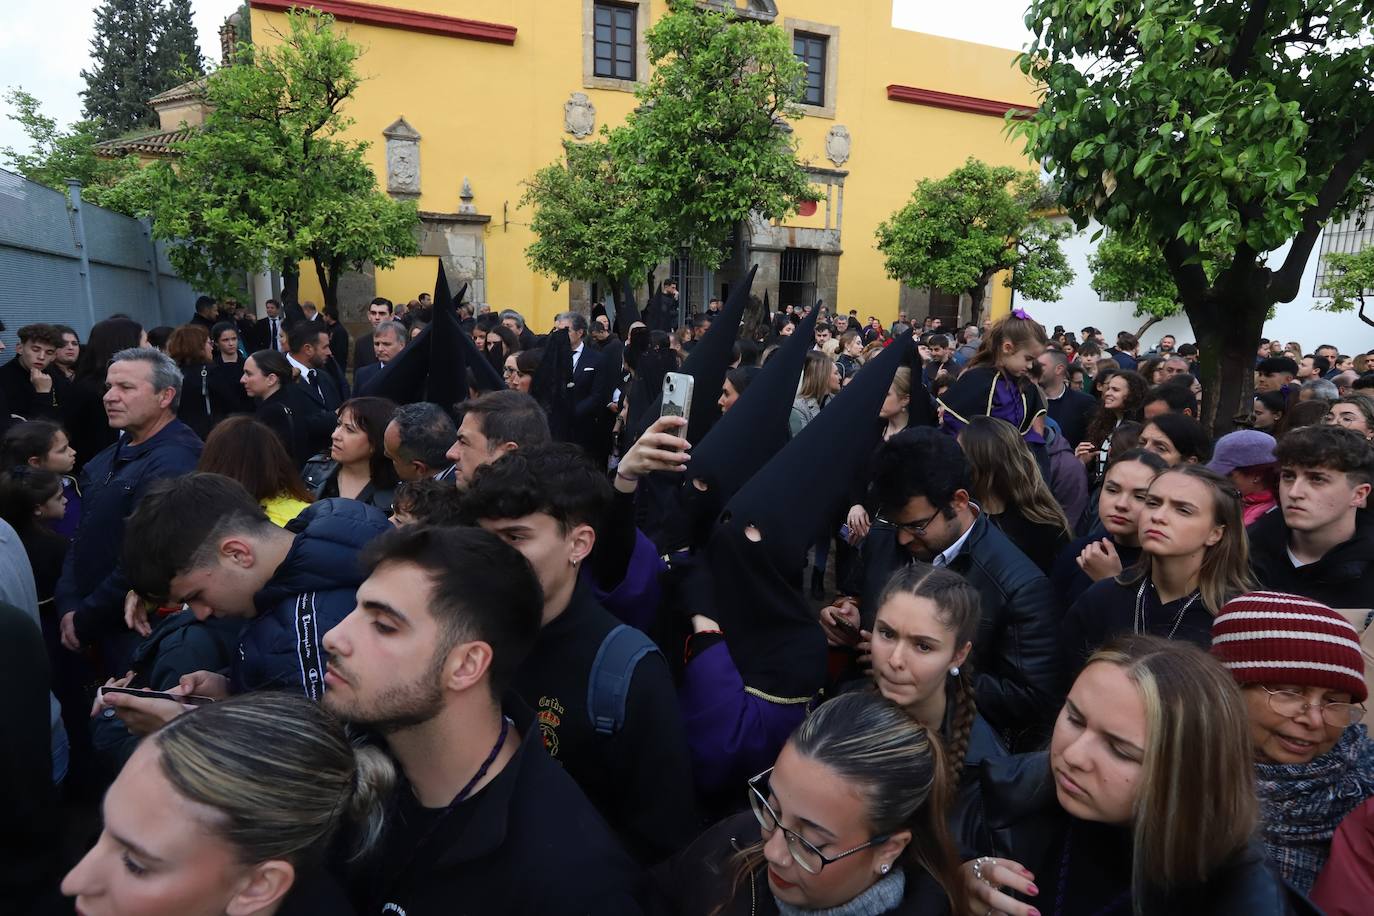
1194 558
232 808
1008 487
1144 802
852 818
820 381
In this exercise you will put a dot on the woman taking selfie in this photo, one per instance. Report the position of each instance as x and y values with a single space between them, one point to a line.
1194 558
1144 802
1114 545
850 819
231 809
1301 671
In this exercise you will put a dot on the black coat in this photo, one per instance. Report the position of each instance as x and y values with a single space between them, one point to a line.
85 420
702 876
527 844
363 353
1012 812
1343 578
20 399
208 395
1016 649
1107 609
295 418
262 333
1071 411
339 347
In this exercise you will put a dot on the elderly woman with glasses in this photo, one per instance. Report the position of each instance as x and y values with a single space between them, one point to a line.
1301 671
850 819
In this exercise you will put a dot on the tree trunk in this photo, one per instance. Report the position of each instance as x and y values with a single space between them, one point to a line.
1140 332
290 285
328 275
976 297
1227 337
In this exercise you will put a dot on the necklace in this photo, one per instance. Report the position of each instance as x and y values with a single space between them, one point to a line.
1142 624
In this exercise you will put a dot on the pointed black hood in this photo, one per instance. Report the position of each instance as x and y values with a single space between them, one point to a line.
758 548
627 312
710 360
446 382
752 432
552 384
404 379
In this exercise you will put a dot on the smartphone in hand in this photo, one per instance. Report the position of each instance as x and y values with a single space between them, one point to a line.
677 395
189 700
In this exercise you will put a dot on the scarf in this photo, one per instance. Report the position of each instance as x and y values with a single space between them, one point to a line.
1302 804
883 897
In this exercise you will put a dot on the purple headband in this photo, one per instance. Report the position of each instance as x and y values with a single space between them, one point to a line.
1022 314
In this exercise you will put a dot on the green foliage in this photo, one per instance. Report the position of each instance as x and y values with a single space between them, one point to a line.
56 155
588 223
268 177
957 232
1126 267
706 149
139 48
1349 280
1208 123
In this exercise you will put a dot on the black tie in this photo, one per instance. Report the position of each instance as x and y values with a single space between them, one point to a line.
276 336
310 377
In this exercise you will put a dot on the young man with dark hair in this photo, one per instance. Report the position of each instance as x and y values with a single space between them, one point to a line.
207 312
201 540
1171 397
921 484
379 310
64 360
267 331
632 761
308 351
1318 546
1313 367
1067 407
483 820
491 425
1127 345
417 441
30 387
1273 373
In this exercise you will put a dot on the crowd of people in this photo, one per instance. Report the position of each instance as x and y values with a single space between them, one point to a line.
456 617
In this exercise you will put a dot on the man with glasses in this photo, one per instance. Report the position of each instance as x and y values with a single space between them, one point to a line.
921 485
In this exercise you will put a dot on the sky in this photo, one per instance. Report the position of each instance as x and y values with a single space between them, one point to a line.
45 45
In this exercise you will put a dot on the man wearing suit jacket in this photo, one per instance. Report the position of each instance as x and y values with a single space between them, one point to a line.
267 331
592 421
363 354
388 341
308 352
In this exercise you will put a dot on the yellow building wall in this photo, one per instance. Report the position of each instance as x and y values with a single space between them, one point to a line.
493 113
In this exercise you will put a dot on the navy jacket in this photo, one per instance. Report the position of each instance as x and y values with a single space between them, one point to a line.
112 483
314 588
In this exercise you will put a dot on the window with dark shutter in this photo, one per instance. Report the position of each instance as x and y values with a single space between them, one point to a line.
614 51
811 50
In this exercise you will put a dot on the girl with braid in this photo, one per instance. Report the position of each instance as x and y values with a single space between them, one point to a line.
920 646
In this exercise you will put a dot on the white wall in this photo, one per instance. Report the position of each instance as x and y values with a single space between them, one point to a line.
1296 320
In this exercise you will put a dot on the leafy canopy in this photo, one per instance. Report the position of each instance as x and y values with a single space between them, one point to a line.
1350 280
706 149
268 175
56 155
957 232
138 49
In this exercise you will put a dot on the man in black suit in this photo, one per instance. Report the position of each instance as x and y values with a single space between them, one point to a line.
267 332
378 311
308 351
388 341
592 420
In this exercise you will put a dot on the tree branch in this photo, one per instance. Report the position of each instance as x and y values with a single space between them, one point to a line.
1287 278
1249 37
1185 266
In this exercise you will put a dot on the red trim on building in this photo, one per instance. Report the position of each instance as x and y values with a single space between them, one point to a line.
392 18
953 102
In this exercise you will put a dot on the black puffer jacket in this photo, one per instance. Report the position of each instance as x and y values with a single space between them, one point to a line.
1012 813
1343 578
1015 651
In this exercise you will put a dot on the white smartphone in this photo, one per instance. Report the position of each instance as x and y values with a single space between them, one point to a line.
677 396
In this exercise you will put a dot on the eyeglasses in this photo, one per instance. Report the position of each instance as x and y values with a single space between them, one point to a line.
1291 704
810 858
916 528
508 370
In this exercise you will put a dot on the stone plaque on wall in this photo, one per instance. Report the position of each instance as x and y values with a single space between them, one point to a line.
402 160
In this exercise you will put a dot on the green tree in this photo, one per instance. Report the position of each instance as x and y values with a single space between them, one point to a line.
176 51
588 224
140 48
56 155
1236 125
268 181
958 232
1129 268
1350 280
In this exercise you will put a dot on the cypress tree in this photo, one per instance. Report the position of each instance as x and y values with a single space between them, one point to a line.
175 48
140 48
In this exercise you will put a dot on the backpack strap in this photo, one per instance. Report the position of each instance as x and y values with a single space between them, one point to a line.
608 688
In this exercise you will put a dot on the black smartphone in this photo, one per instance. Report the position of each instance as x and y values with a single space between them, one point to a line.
189 700
844 626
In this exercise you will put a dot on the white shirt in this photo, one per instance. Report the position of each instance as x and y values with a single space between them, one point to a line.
300 367
577 354
953 550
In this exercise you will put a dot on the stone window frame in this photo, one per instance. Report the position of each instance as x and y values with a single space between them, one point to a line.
831 34
589 78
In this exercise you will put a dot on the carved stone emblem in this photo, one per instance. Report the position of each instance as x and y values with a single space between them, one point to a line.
837 145
579 115
402 159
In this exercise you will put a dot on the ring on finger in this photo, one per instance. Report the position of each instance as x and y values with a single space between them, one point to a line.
978 865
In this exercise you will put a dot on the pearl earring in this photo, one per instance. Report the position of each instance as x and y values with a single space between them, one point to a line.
954 672
886 868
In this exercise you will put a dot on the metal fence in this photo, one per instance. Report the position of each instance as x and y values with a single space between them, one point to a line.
67 262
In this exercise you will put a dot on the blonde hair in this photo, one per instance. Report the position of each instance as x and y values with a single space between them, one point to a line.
1001 465
901 381
815 377
281 774
1225 569
1198 766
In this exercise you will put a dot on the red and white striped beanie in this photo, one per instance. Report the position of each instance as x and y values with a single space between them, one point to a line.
1276 638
